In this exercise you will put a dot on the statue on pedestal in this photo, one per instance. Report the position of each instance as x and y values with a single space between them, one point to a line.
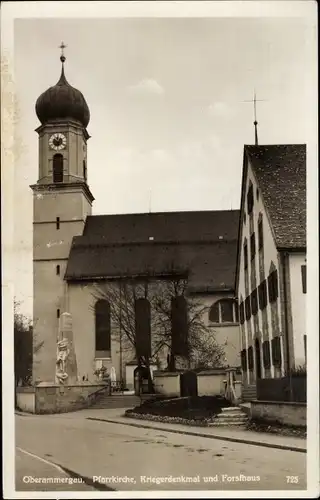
62 355
66 364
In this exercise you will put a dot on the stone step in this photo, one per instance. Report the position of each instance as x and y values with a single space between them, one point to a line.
105 406
213 424
115 401
238 414
230 409
224 416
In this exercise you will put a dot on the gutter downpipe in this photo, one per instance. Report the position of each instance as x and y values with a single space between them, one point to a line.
285 291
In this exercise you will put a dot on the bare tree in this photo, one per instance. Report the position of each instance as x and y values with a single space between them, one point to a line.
201 348
197 345
122 296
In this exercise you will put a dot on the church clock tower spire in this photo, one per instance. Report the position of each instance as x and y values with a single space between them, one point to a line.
61 202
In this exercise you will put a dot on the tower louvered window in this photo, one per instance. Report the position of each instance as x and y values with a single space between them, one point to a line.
57 168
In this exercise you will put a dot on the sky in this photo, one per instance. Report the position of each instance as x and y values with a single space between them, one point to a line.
167 98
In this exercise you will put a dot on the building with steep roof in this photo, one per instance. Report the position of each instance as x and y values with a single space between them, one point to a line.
271 261
75 252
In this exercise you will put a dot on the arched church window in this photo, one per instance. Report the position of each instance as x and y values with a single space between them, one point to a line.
179 325
57 168
103 328
143 327
223 311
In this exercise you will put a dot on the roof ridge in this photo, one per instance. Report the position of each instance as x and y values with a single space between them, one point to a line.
99 242
198 212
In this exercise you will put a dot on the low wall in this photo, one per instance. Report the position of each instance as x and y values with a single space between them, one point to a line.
26 399
50 398
280 412
167 383
282 389
211 382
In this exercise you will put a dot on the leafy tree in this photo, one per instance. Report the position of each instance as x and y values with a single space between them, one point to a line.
24 347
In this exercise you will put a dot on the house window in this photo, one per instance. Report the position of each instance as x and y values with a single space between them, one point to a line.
248 308
254 302
179 325
250 199
223 311
304 278
276 351
241 310
253 245
102 328
236 311
262 291
250 358
58 222
57 270
273 286
245 254
260 233
244 359
266 354
58 313
57 168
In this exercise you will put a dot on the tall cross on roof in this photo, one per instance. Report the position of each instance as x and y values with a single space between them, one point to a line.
255 100
62 47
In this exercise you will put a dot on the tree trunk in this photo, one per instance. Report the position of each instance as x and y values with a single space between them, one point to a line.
172 363
150 381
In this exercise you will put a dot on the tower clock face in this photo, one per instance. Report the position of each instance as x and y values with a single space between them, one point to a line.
57 141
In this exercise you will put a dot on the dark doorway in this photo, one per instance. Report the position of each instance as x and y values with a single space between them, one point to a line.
258 359
188 384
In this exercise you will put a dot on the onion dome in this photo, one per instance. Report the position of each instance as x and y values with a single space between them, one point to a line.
62 101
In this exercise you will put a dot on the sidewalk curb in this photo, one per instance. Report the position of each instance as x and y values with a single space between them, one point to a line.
202 434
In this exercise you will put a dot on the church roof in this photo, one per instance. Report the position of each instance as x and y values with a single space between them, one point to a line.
202 245
281 174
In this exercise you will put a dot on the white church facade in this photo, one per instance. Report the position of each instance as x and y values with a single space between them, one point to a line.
75 252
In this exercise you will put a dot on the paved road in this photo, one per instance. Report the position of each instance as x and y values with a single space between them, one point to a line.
128 458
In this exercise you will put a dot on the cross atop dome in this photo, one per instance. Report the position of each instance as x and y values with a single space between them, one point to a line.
62 47
62 101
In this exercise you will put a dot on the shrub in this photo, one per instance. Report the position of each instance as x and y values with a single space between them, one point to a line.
299 371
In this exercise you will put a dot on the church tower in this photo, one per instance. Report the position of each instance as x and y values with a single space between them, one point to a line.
61 202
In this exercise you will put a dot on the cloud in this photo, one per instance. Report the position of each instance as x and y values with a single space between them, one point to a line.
147 86
220 109
160 155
